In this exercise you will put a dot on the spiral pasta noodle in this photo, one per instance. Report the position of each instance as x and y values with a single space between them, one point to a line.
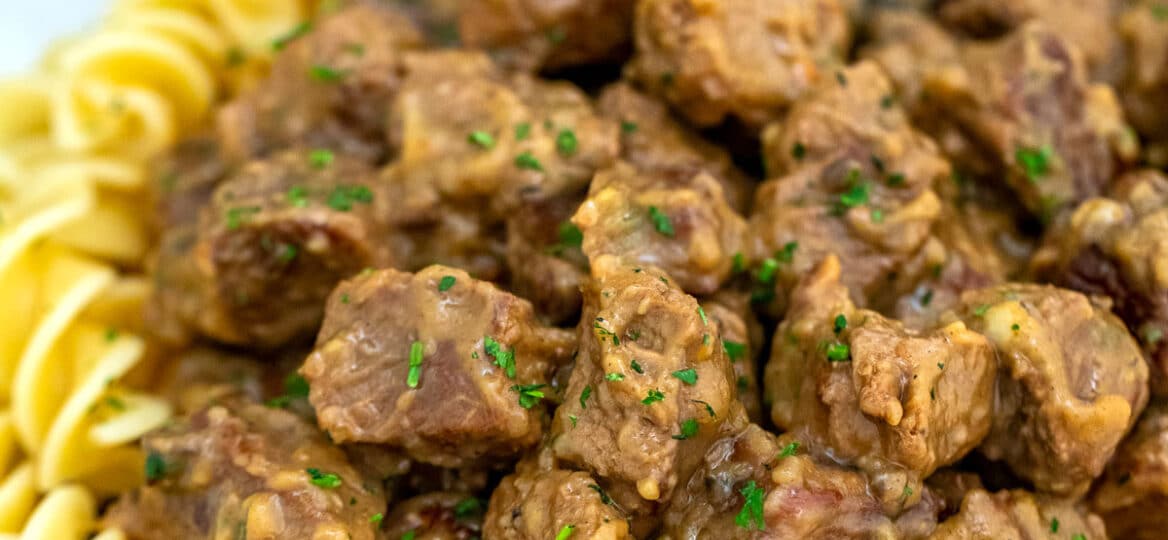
76 141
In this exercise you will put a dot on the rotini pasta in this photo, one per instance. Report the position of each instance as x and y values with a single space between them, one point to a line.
76 141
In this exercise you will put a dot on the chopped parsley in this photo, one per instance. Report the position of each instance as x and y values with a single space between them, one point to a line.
856 195
565 532
298 196
908 491
1015 327
504 358
1054 525
416 356
345 298
556 35
689 428
652 397
709 408
1078 536
299 30
155 467
787 254
342 198
841 78
798 151
877 215
981 310
410 535
614 377
529 394
111 334
482 139
566 142
734 350
286 253
790 449
838 352
235 57
742 383
637 367
320 158
467 507
587 391
528 161
886 101
1160 11
750 517
446 283
1035 162
766 272
927 298
570 235
687 376
325 74
895 179
840 323
702 314
1151 334
738 263
604 498
376 519
661 221
628 127
522 131
322 479
240 215
604 332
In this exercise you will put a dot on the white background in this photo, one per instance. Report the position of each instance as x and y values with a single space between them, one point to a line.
28 26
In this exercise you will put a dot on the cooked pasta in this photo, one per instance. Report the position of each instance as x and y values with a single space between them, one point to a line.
76 142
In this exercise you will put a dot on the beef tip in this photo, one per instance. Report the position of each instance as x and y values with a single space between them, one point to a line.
246 471
534 34
853 178
271 244
652 139
1118 247
203 376
438 364
1071 382
908 44
544 258
534 504
676 220
741 340
187 177
1018 514
1144 86
435 516
651 388
1024 102
719 60
894 402
329 87
1133 492
751 482
1088 24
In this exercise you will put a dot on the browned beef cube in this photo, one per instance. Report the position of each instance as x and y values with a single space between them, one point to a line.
741 340
534 504
438 364
544 258
442 515
534 34
247 471
1018 514
1132 493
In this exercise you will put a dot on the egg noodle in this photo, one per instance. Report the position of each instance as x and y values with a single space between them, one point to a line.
76 140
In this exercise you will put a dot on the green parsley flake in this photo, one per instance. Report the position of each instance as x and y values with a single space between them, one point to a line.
908 491
604 498
325 74
505 359
570 235
584 396
687 376
375 519
734 350
565 532
857 195
702 314
528 161
235 57
566 142
614 377
111 335
409 535
628 127
522 131
981 310
750 517
299 30
877 215
446 283
895 179
322 479
798 151
236 217
738 263
286 253
482 139
298 196
838 352
790 449
1078 536
1160 11
321 158
468 507
927 298
709 408
637 367
766 272
416 356
840 323
155 467
886 101
787 254
689 428
652 397
1054 525
1015 327
604 332
345 298
342 198
661 221
529 394
1035 162
295 385
1151 334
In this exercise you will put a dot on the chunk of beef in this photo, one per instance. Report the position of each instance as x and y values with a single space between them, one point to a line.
908 44
445 367
1144 86
1118 247
1071 382
651 388
741 340
742 59
674 219
856 181
203 376
534 504
534 34
652 140
329 87
1087 24
1018 514
187 177
897 403
750 482
544 258
1133 492
273 241
435 516
236 471
1025 104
